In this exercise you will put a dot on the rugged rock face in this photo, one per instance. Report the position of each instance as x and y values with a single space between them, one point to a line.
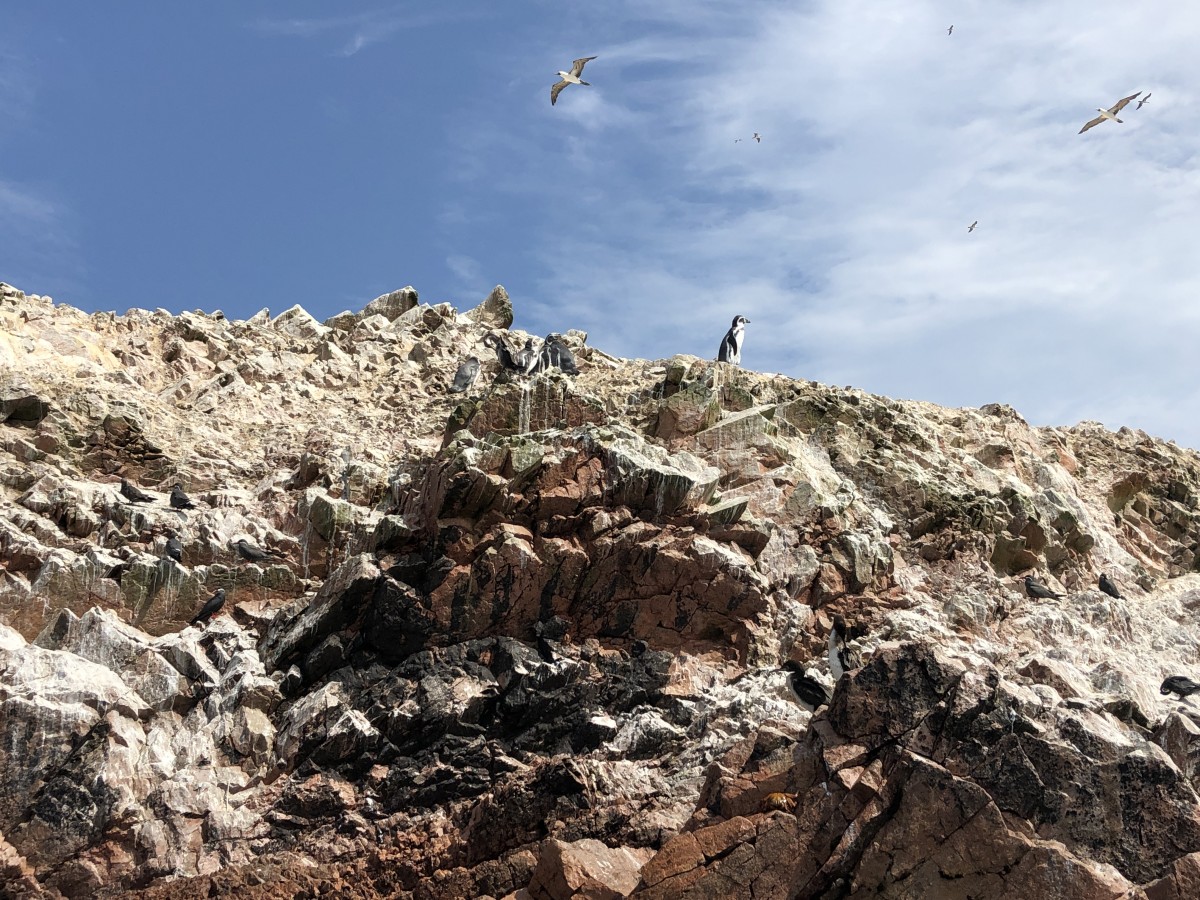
527 642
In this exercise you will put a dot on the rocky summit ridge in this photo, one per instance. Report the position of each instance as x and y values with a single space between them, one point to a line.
528 641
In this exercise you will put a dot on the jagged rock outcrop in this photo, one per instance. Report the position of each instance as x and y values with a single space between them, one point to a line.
528 642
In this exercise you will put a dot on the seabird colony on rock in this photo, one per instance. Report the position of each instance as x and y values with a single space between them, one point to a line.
571 77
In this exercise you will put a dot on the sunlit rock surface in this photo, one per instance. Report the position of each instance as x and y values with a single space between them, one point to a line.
527 642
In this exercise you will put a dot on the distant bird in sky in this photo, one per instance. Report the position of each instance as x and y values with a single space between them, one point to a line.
1143 101
757 137
1109 588
737 140
571 77
180 500
465 376
1039 591
133 493
1179 684
210 608
1110 113
971 227
731 344
950 30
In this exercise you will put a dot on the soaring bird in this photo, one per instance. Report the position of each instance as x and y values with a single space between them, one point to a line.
465 376
808 690
971 227
1037 590
1110 113
950 30
133 494
1179 684
251 553
571 77
1109 588
180 500
1143 101
731 344
757 137
174 547
210 608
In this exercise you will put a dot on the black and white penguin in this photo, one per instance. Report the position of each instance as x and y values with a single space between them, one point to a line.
505 356
841 658
211 607
1179 684
808 690
526 356
1109 588
731 345
465 376
554 354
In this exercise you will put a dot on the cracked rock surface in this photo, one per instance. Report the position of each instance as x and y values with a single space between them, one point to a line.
528 641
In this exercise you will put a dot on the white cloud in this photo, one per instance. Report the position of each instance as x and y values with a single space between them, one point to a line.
843 234
353 32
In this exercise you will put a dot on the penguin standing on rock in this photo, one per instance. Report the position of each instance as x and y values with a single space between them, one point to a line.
841 658
807 689
731 345
507 362
465 376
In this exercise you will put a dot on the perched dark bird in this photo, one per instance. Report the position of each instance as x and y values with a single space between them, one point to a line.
1179 684
808 690
133 494
1110 113
1109 588
545 649
465 376
174 547
1037 590
1143 101
731 344
571 77
251 553
505 356
180 500
210 608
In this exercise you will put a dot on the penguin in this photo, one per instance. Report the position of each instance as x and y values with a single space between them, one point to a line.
507 362
807 689
1039 591
210 608
525 356
731 345
841 658
465 376
559 355
180 500
1179 684
133 494
1109 588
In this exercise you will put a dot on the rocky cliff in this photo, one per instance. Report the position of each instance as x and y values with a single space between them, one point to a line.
529 640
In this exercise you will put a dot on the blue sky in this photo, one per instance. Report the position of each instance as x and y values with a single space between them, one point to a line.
242 155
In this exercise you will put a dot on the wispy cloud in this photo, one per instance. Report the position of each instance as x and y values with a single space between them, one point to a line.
352 33
843 234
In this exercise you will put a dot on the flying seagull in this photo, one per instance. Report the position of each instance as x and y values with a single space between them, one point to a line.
1179 684
1143 101
1109 588
971 227
950 30
1039 591
737 140
1110 113
571 77
757 137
